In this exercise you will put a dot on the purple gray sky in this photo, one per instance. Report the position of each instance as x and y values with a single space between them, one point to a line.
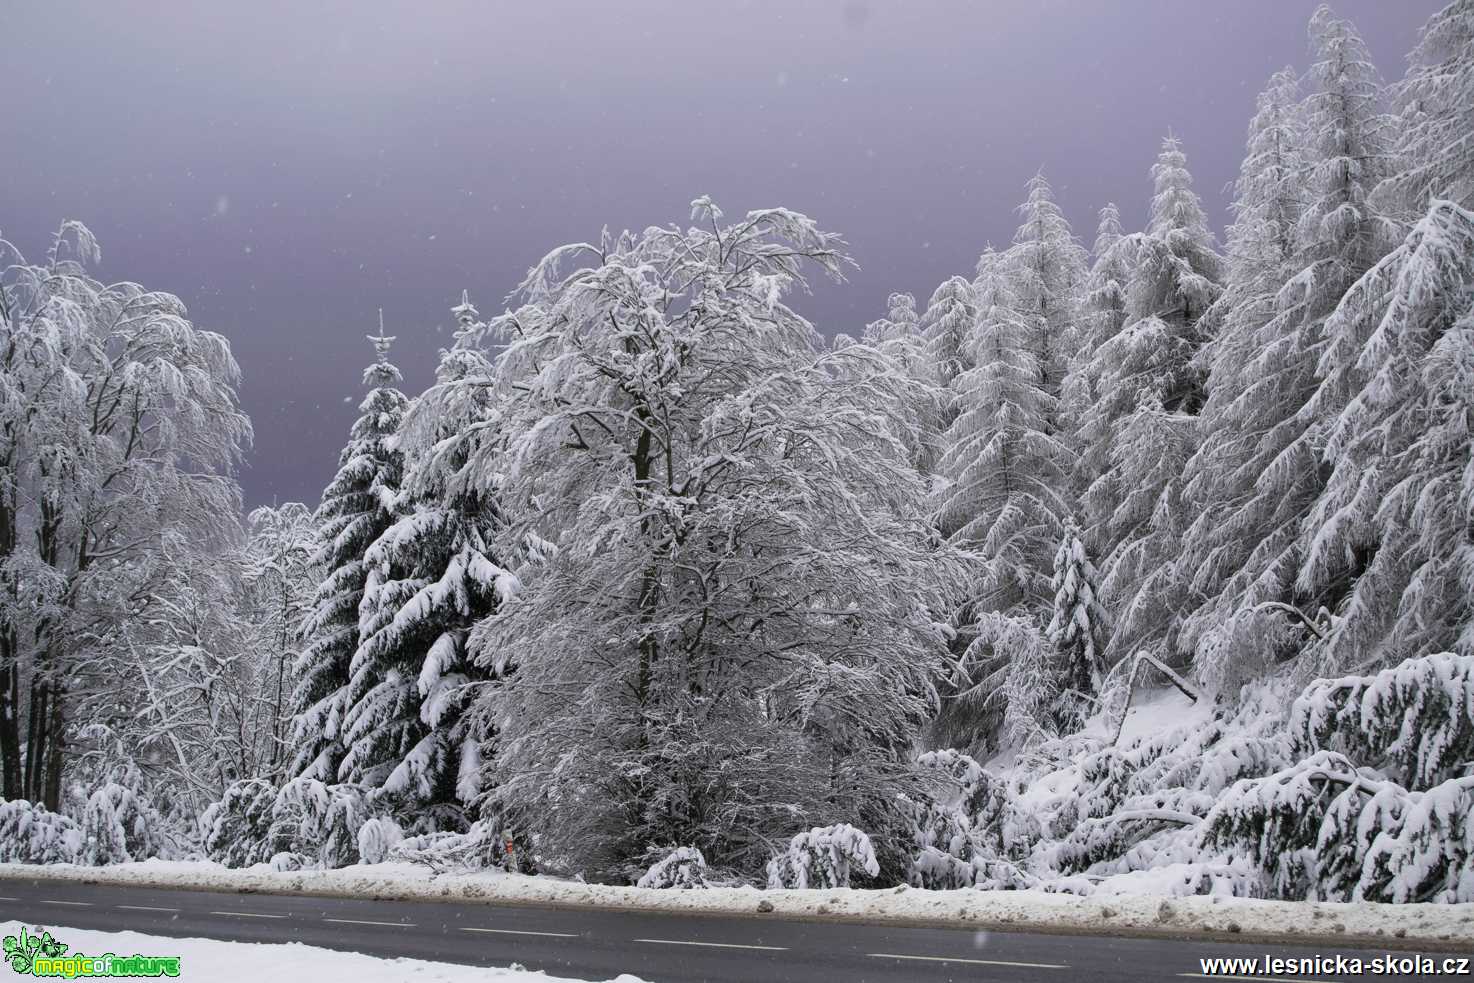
287 168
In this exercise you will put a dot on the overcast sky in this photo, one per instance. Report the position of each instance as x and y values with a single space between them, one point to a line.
288 168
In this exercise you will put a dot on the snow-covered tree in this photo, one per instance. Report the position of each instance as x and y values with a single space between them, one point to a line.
1102 316
1249 475
731 604
1391 530
1001 497
279 578
949 319
1140 585
357 506
899 336
1047 268
431 576
119 426
1177 271
1174 277
1436 132
1078 628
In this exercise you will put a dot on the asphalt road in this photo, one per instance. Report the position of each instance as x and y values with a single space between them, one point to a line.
595 944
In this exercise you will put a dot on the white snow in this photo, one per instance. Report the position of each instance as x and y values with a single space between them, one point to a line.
250 962
1129 913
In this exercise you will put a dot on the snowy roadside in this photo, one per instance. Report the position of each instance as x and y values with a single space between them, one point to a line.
227 962
1421 925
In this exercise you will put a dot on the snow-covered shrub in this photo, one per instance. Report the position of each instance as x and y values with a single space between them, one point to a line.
483 846
299 815
345 814
287 861
684 868
1414 721
972 832
119 825
31 834
377 838
238 828
823 857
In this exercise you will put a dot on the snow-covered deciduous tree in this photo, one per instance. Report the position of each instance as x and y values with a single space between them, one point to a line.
356 507
735 610
119 425
823 857
279 576
899 336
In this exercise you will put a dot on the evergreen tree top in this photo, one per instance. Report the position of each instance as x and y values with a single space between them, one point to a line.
383 373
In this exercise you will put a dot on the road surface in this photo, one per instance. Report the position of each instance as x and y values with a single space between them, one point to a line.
595 944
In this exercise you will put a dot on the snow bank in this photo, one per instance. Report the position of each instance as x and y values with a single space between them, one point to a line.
1422 925
251 962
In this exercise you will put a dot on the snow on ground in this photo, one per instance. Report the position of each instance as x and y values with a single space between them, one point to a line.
226 962
1426 925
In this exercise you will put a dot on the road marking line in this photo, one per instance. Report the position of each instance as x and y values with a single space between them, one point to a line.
245 914
513 931
142 907
79 904
715 945
359 921
1254 979
957 959
9 899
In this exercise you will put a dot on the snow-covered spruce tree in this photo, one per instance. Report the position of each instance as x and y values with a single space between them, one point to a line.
1248 477
1046 266
357 506
949 319
279 576
722 492
1078 628
1391 530
431 576
899 336
1001 498
119 425
1435 147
